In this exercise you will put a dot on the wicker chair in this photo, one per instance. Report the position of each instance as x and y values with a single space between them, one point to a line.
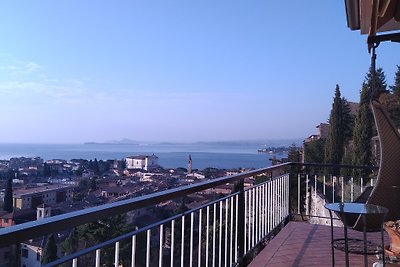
386 191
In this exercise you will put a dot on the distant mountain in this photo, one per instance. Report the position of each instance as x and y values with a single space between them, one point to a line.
259 143
124 141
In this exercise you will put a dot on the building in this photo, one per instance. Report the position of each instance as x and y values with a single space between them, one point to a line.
190 164
31 253
50 194
142 162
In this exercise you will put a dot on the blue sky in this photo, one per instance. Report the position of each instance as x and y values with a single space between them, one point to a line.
77 71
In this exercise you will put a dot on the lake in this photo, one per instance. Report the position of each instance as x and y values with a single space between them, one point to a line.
170 155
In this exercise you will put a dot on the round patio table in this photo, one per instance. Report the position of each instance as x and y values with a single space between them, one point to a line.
354 245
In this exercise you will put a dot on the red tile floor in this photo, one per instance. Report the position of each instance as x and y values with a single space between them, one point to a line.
303 244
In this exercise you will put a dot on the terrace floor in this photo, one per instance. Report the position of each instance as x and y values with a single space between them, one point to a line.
303 244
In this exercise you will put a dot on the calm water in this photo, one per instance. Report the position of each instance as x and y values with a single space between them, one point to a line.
170 155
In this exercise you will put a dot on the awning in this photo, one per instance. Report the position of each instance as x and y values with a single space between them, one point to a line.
373 17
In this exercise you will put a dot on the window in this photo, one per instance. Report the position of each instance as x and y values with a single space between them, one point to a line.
24 253
37 256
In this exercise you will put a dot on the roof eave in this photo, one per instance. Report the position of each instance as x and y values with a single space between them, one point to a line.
353 14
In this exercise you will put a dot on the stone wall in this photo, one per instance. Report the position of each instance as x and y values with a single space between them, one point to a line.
318 213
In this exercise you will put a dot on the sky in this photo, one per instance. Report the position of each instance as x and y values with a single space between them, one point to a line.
176 71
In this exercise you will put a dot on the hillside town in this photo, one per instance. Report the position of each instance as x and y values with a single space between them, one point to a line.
44 188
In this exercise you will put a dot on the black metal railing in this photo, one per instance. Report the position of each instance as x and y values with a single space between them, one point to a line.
225 230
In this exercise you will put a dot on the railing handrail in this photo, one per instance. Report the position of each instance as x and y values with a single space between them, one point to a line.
42 227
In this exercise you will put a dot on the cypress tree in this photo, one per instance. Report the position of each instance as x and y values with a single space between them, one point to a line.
8 197
395 88
96 168
334 147
71 243
46 170
348 121
363 131
376 84
50 250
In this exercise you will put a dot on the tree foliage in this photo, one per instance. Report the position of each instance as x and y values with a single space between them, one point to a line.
314 151
46 170
395 88
335 140
363 131
340 130
294 154
101 231
376 84
8 197
50 250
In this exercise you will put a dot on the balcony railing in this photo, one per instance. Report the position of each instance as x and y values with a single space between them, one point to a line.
222 232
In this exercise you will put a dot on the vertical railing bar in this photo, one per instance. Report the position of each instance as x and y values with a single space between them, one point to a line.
275 194
265 210
183 241
116 256
257 208
133 259
262 209
298 194
307 197
214 226
231 229
236 228
342 188
269 206
226 230
280 194
75 262
273 201
315 186
253 226
281 199
277 201
191 239
160 257
324 186
200 226
220 235
207 233
148 248
260 213
286 196
246 217
333 188
352 189
97 264
361 185
172 242
249 223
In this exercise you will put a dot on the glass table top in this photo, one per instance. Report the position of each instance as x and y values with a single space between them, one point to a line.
357 208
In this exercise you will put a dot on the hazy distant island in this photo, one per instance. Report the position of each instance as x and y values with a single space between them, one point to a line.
262 144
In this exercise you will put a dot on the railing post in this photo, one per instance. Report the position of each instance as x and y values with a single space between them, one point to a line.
241 223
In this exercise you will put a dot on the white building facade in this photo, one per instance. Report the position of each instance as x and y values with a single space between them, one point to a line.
141 162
